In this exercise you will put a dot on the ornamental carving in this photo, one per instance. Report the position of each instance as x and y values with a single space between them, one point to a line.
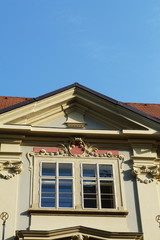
9 169
146 173
77 147
80 237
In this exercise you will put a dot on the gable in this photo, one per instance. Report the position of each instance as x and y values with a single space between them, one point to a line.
76 107
77 233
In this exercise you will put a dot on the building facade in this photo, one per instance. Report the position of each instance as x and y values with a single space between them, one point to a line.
75 164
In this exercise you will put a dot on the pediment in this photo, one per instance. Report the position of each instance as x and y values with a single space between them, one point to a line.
76 107
77 233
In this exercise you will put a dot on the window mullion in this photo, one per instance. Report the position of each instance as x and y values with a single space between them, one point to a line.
98 188
57 185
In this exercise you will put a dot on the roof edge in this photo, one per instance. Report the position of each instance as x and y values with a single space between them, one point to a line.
76 84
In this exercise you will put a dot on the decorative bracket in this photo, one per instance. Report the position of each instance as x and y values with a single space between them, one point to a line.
147 173
9 169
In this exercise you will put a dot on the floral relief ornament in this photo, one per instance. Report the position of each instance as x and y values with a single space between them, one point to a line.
146 173
76 147
9 169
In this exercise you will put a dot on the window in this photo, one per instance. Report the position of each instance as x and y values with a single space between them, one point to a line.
91 187
56 185
98 186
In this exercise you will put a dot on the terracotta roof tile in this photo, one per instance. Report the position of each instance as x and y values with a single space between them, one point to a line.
149 108
10 101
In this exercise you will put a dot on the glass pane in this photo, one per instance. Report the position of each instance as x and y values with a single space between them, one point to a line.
89 170
106 187
48 169
90 203
105 171
89 189
48 187
65 202
48 202
107 203
90 196
65 169
65 195
65 185
50 195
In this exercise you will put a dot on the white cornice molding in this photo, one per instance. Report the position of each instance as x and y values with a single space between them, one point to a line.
83 131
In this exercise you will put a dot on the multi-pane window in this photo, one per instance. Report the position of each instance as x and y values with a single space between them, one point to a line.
98 186
56 185
93 185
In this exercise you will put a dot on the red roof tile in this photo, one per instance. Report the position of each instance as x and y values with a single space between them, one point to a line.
10 101
149 108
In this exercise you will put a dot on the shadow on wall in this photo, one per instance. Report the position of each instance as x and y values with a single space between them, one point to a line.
128 177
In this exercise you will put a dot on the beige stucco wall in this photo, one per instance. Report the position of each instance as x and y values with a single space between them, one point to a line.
128 223
141 200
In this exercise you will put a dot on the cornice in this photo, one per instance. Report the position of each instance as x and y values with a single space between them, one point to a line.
74 212
78 233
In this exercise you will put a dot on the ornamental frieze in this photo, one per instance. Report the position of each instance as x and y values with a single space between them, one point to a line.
8 169
76 147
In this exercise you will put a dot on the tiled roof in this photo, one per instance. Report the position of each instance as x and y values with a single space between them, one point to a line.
148 108
10 101
151 111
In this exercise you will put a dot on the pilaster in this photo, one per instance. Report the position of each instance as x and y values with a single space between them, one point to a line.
146 169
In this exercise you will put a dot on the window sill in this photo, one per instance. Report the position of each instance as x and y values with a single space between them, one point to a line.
50 211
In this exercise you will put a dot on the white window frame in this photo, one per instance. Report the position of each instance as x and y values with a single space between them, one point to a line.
76 178
57 178
97 180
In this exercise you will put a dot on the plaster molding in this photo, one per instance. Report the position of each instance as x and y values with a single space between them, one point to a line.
76 147
76 233
79 237
146 172
9 169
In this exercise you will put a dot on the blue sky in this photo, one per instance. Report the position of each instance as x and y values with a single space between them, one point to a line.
111 46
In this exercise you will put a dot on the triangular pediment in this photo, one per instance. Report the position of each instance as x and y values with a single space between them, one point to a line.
77 233
76 107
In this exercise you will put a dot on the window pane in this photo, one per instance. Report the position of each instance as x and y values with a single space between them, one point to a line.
65 169
105 171
48 187
89 189
106 187
90 196
107 194
89 170
48 195
90 203
48 169
107 203
65 202
48 202
65 193
65 185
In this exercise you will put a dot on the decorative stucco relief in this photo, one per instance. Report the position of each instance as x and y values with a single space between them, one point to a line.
77 147
9 169
80 237
147 173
